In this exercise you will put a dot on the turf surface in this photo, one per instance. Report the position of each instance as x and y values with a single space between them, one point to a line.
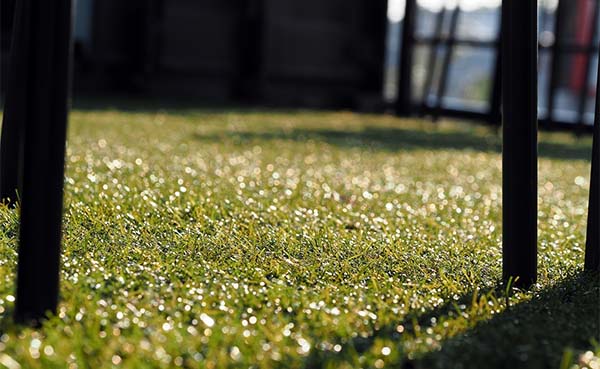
299 239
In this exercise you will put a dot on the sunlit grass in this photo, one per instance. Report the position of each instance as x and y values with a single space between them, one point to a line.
215 239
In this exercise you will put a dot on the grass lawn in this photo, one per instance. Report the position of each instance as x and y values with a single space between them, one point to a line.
253 239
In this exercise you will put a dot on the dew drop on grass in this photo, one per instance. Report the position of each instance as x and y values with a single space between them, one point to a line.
207 320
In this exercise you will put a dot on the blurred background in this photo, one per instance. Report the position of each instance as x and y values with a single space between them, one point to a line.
327 54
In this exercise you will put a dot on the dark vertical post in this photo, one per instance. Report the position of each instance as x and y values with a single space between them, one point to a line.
404 85
372 25
519 102
11 159
587 69
592 247
45 76
555 60
447 62
433 56
495 113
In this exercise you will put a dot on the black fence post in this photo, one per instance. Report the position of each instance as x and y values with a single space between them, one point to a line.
432 59
404 84
370 32
11 142
519 104
555 61
446 64
41 65
495 112
587 70
592 247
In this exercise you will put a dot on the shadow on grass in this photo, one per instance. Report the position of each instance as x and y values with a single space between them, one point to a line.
532 334
387 138
398 139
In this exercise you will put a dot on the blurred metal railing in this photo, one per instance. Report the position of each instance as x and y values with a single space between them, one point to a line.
558 49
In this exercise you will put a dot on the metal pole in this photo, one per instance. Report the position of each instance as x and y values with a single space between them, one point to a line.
404 85
555 61
592 247
447 62
495 113
519 102
587 66
432 60
45 77
372 24
11 142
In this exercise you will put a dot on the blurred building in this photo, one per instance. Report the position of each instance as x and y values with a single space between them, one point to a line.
310 52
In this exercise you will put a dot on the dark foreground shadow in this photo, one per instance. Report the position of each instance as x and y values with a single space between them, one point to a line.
532 334
403 139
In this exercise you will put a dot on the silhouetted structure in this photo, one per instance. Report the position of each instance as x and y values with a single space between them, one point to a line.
7 10
567 47
312 52
447 62
33 143
405 65
592 249
519 148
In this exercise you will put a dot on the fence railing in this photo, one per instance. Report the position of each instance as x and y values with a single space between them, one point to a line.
432 100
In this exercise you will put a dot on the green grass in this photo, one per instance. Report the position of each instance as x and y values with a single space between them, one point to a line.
255 239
